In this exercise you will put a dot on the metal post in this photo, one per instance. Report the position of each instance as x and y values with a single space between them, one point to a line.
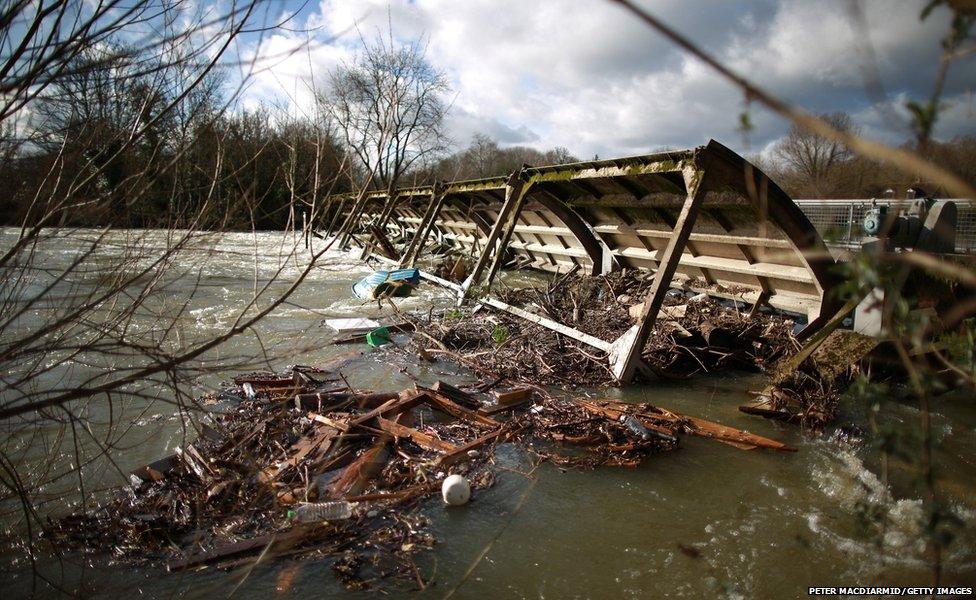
625 355
410 257
515 189
850 222
353 219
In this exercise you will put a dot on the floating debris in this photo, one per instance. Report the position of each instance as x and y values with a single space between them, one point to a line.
345 480
689 338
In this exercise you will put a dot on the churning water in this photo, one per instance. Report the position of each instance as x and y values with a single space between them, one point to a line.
706 520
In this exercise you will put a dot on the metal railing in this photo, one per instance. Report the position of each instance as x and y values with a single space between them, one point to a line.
839 221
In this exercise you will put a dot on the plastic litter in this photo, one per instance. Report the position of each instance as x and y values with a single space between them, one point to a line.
378 337
456 490
321 511
644 433
353 325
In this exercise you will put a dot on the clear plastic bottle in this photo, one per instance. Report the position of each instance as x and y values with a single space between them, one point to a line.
645 434
322 511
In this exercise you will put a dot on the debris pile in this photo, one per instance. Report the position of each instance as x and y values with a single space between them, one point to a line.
807 386
305 437
693 333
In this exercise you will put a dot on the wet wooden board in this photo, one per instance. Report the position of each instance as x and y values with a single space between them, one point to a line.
425 440
462 451
700 427
444 404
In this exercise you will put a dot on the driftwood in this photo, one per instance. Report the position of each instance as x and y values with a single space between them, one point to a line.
425 440
361 447
458 396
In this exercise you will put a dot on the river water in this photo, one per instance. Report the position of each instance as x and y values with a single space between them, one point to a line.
706 520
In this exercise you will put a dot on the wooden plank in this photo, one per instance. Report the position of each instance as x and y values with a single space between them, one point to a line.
462 451
382 243
403 403
736 240
391 201
517 395
338 425
444 404
424 440
461 397
615 414
728 265
355 477
760 300
353 218
511 220
724 433
549 249
423 230
790 364
515 189
316 444
702 428
275 540
587 339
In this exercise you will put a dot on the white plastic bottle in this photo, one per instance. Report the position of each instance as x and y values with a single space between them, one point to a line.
322 511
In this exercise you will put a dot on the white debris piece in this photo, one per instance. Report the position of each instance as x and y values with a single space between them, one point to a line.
353 325
456 490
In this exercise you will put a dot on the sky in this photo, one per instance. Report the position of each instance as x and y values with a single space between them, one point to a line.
588 76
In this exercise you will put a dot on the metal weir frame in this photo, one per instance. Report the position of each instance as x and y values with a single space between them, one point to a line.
609 214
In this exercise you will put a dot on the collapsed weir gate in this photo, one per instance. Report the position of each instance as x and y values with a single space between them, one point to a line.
703 220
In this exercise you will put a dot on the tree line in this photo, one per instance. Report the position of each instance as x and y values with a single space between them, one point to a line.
200 159
807 165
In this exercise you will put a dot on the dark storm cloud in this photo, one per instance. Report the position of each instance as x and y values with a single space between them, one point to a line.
586 75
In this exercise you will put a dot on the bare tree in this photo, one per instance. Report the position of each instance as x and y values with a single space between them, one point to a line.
389 107
92 321
485 158
815 158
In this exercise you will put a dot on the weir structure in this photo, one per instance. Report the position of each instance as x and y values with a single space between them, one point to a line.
702 220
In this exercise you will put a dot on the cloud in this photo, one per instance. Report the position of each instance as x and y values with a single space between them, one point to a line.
587 75
463 125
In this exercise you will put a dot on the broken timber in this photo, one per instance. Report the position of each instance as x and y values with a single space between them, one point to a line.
702 219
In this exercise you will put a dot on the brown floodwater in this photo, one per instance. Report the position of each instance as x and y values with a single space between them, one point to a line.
705 520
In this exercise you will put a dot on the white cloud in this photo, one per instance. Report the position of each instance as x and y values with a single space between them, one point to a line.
588 76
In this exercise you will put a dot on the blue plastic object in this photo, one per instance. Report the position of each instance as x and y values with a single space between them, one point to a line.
386 284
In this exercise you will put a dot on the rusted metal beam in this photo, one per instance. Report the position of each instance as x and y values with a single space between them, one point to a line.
437 196
598 251
515 191
626 353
